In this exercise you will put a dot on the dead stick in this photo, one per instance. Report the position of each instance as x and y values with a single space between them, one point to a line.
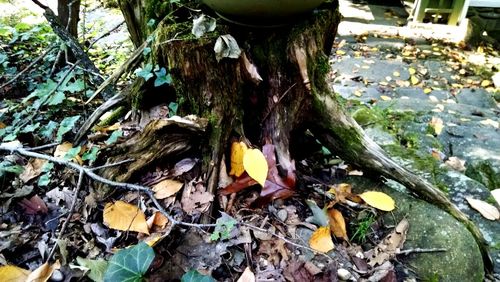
68 218
13 147
420 250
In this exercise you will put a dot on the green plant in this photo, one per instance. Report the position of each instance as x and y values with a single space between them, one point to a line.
224 227
362 228
130 264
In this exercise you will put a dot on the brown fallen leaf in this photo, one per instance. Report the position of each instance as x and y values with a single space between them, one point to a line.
456 164
124 216
32 169
34 205
296 272
43 273
247 276
386 249
486 210
250 70
167 188
337 224
321 240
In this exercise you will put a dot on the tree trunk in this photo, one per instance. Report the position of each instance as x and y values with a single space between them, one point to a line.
68 12
274 89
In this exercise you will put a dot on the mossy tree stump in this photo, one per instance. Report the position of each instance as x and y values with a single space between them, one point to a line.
291 96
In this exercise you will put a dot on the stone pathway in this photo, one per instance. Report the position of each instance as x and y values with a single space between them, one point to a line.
427 79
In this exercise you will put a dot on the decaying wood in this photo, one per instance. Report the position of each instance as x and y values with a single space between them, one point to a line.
292 63
159 140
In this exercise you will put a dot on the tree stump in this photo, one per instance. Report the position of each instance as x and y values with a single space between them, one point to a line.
276 88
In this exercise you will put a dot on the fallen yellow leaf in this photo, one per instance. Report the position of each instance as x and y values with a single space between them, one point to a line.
124 216
414 80
486 210
321 240
340 52
358 93
385 98
167 188
238 150
396 74
427 90
13 273
437 124
485 83
412 71
378 200
255 165
43 273
337 224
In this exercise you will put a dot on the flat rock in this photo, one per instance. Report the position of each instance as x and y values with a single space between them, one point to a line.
430 227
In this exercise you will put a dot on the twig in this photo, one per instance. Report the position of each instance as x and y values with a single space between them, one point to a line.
46 146
39 58
420 250
70 214
281 238
279 100
113 164
105 34
89 172
133 60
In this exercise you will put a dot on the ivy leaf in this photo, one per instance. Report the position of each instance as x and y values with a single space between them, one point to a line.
146 51
195 276
44 179
30 127
162 77
172 109
91 155
224 227
76 86
145 72
114 137
130 264
57 98
97 267
226 47
48 130
72 153
202 25
66 125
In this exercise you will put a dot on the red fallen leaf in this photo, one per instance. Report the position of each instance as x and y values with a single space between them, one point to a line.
239 184
275 187
34 205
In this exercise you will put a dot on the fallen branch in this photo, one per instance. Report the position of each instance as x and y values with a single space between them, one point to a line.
17 148
420 250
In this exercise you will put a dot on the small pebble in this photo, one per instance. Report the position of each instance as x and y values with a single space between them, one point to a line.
343 274
282 215
57 276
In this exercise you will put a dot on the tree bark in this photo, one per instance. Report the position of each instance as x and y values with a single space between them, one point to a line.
289 94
